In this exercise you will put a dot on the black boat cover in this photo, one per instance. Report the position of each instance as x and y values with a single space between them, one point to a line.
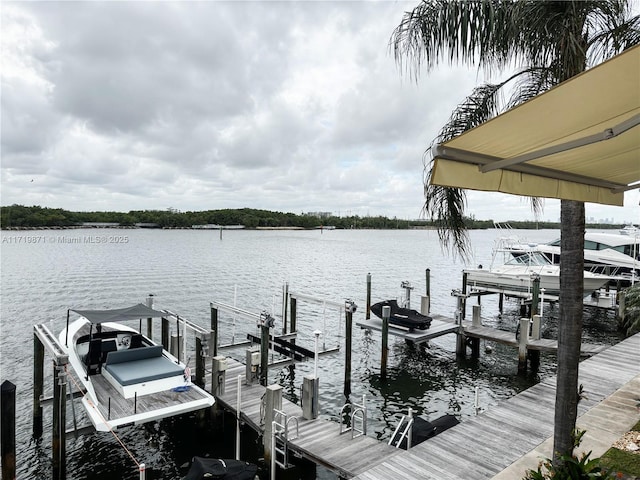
227 469
120 314
403 317
422 429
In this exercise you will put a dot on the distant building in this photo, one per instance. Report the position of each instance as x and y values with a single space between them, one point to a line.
320 214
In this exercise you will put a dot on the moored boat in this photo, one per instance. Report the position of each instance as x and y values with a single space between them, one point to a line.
516 274
126 378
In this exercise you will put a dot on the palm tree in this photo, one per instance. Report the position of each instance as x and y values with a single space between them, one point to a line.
547 42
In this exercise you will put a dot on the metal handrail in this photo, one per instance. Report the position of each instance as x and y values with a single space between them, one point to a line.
405 433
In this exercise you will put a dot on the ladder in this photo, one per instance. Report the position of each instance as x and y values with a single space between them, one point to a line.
406 432
358 414
280 438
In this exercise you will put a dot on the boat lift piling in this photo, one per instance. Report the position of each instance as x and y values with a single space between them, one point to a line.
149 304
368 311
386 313
349 308
8 434
44 339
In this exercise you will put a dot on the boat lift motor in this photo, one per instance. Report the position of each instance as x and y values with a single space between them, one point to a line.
218 374
252 362
407 289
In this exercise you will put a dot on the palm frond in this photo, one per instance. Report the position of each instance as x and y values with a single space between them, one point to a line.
468 32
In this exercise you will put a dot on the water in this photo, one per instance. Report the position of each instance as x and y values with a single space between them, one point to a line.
46 272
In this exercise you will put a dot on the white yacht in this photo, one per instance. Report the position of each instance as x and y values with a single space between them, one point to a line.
605 253
523 264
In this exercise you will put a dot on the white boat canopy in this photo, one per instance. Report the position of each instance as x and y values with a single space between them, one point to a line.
135 312
578 141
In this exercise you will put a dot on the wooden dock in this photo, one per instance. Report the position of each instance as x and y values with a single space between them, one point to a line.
319 440
442 325
484 446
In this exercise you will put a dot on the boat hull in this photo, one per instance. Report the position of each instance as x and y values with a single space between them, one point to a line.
521 280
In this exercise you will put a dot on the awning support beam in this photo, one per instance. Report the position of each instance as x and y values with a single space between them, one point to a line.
607 134
465 156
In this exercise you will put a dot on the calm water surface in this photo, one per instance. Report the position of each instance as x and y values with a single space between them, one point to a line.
46 272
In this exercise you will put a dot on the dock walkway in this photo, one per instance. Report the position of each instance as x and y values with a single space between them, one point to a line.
508 439
319 440
442 325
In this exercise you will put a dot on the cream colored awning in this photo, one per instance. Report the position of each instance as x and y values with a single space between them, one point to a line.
577 141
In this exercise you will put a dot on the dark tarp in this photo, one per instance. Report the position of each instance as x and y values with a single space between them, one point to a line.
403 317
120 314
203 468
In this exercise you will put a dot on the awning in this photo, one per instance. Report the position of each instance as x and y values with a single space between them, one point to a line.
120 314
577 141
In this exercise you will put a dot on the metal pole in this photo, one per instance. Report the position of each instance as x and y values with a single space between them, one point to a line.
386 313
142 469
273 451
317 333
238 403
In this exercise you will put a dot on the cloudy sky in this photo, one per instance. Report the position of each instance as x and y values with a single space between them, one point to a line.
295 107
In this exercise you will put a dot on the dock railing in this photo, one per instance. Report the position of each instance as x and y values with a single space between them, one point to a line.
358 412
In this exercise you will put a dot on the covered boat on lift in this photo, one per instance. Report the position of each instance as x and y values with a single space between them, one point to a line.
402 317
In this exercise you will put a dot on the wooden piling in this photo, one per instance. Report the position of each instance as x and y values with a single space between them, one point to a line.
58 439
214 330
476 322
368 312
199 363
386 313
293 305
522 345
38 385
349 308
8 429
501 303
535 296
150 320
285 302
427 275
264 354
164 336
464 299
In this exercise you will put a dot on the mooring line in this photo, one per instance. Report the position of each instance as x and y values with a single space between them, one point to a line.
138 464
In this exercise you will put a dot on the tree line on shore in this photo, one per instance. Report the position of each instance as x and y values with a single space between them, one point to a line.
20 216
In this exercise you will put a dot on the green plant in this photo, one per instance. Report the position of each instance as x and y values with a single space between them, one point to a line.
570 467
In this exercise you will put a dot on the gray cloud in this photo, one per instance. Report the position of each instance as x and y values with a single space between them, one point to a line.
291 106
